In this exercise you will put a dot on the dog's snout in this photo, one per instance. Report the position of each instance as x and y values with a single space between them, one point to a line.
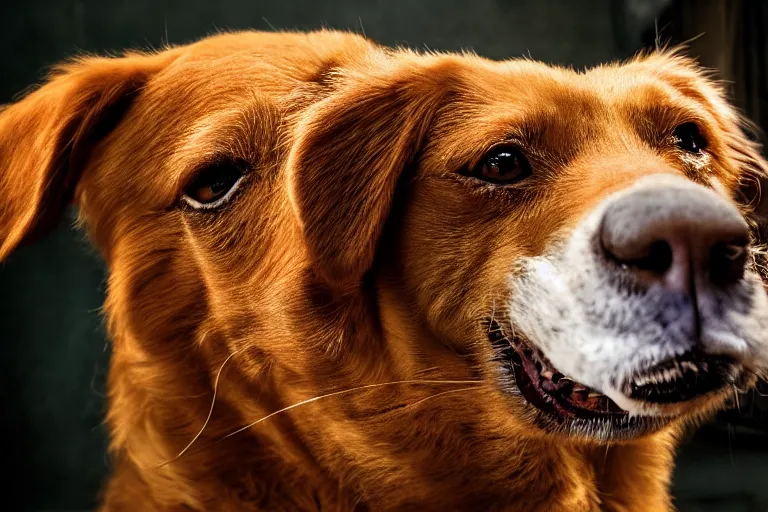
676 233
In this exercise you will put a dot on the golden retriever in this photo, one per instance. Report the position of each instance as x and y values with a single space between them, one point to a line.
347 277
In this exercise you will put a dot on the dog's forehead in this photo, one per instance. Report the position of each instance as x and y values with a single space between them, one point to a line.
553 93
203 85
212 98
556 110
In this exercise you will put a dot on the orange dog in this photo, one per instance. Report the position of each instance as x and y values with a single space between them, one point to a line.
348 277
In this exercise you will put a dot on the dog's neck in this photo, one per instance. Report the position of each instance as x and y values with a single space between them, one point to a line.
278 468
388 447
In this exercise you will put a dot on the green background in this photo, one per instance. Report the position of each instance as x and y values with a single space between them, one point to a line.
54 351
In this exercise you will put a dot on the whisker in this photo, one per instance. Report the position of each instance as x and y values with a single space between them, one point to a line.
442 393
762 385
307 401
269 24
343 392
493 313
210 411
362 28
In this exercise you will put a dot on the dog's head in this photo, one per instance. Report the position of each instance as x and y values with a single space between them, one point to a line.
581 237
574 241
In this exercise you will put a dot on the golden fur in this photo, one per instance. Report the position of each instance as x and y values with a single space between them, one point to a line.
351 257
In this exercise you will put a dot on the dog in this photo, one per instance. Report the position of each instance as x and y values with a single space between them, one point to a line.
348 277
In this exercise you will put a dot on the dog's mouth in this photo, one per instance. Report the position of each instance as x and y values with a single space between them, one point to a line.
675 380
681 379
544 387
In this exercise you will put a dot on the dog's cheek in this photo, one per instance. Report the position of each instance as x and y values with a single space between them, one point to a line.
148 272
448 263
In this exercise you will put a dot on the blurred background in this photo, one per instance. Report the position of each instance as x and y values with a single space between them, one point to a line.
54 350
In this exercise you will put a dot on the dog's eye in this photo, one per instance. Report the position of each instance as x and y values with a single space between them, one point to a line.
213 186
688 137
502 165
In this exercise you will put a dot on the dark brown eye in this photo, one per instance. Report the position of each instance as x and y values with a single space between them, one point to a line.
688 137
213 186
502 165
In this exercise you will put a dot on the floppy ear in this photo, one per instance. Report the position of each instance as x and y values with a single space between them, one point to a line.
351 148
45 139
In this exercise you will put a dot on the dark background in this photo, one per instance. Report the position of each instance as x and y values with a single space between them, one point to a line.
54 351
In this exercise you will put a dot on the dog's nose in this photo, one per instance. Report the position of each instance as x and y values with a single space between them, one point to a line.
677 233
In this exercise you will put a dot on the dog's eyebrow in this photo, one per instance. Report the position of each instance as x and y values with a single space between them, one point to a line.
524 127
663 104
655 120
226 134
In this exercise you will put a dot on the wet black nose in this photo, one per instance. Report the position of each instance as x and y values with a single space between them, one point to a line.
678 234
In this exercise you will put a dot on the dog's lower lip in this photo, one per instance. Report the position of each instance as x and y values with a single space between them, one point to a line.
681 378
546 388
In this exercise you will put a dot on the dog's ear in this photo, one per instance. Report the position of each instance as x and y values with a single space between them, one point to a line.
45 138
350 151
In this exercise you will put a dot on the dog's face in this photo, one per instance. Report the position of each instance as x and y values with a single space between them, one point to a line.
586 226
572 240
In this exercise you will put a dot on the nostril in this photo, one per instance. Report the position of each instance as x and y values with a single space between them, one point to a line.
727 261
679 235
659 258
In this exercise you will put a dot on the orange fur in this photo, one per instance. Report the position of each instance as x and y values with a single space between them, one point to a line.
352 257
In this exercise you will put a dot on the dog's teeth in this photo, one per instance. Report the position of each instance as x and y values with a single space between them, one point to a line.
594 394
548 386
667 375
565 385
